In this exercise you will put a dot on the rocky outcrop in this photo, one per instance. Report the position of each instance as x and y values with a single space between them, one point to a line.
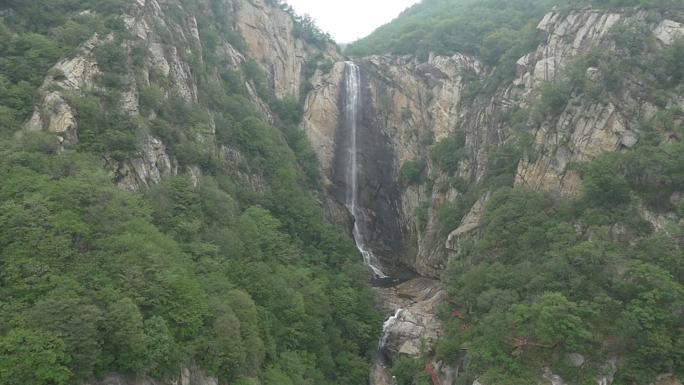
419 104
322 114
52 112
407 106
668 31
272 40
415 325
585 129
146 170
470 223
171 47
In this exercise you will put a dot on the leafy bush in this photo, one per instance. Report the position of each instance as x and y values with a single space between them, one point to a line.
605 184
448 152
409 371
111 132
35 358
554 97
411 172
151 98
674 56
256 75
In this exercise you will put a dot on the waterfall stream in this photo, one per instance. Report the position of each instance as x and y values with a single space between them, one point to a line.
352 103
353 100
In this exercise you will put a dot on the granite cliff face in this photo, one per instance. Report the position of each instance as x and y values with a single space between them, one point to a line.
411 104
170 47
407 106
584 130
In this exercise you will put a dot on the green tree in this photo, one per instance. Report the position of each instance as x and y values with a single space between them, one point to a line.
246 312
33 358
275 376
225 347
76 322
162 356
552 320
411 172
604 184
406 370
125 335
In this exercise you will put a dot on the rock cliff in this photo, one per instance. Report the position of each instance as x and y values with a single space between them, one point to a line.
170 46
409 105
413 104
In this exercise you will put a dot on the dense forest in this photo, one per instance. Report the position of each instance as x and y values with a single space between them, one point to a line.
491 29
498 32
248 285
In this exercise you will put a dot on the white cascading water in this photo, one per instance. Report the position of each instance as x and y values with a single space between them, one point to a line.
389 323
353 99
352 102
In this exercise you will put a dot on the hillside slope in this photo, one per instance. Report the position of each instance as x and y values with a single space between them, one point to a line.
159 212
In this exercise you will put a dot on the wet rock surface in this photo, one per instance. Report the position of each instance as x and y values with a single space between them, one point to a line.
414 328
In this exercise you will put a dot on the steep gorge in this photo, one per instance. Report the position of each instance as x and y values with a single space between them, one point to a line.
366 121
409 104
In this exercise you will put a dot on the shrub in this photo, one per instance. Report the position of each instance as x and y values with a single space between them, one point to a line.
553 99
406 370
411 172
448 152
674 70
605 184
33 358
256 75
151 98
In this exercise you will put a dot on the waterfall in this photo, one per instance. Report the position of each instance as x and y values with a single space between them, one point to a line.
385 328
352 103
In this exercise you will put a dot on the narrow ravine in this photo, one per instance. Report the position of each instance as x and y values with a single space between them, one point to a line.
410 304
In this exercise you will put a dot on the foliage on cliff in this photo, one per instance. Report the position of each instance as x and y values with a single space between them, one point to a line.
548 277
246 283
495 30
551 277
588 284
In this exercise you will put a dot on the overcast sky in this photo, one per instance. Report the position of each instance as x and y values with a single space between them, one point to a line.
349 20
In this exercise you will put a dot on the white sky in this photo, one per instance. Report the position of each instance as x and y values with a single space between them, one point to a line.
349 20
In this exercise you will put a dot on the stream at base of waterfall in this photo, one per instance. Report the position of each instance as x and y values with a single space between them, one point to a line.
411 305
